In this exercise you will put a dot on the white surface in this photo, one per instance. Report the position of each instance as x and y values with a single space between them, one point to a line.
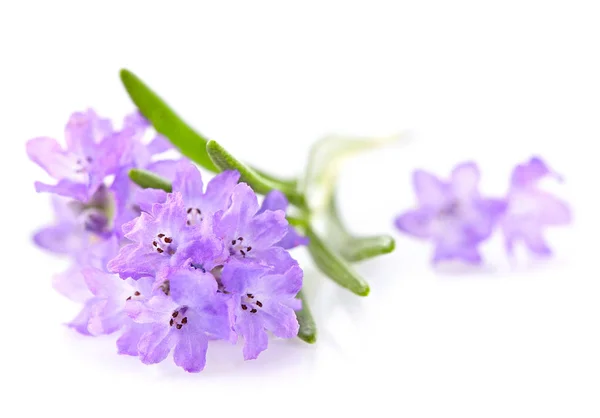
490 81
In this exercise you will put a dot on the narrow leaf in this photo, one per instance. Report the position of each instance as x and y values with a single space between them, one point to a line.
334 266
354 248
261 184
166 121
308 328
149 180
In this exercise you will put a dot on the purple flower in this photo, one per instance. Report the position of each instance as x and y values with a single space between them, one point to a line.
92 152
163 240
262 300
276 200
104 311
71 282
183 319
247 233
530 209
452 214
199 204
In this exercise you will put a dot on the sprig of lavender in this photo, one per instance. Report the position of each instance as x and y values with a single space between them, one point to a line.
311 195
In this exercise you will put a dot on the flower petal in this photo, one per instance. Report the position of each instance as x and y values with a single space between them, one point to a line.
192 287
219 190
430 190
128 341
280 319
188 182
256 339
244 206
237 276
48 154
266 229
465 179
416 223
155 345
190 351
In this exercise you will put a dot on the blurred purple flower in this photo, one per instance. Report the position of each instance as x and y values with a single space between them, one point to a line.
530 209
452 214
104 311
93 151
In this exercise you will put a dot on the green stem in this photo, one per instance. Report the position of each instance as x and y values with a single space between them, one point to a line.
308 329
334 266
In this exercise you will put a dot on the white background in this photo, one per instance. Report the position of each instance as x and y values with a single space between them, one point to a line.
491 81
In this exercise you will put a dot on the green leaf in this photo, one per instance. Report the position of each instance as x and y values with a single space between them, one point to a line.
308 328
261 184
324 163
334 266
354 248
166 121
149 180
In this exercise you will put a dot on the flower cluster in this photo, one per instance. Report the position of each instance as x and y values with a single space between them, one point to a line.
169 271
455 216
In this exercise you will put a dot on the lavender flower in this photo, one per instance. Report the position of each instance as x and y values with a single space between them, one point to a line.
247 233
93 151
262 300
104 311
275 200
530 210
96 255
452 214
182 319
199 204
163 240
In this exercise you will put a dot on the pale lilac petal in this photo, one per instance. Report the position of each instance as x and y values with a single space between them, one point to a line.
164 168
430 190
274 200
238 276
266 229
159 145
192 287
528 174
146 198
554 211
155 345
157 309
280 319
244 206
292 239
59 238
136 262
71 284
84 130
188 182
81 321
219 190
465 180
190 351
48 154
276 259
416 223
280 285
103 284
66 188
128 341
256 339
